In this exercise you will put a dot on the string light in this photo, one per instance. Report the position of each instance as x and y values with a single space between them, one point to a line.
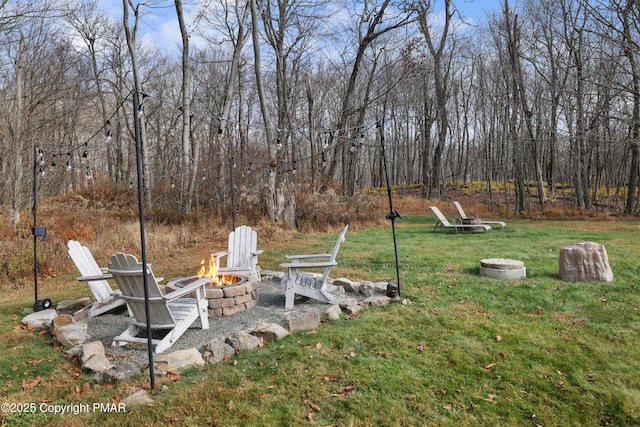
107 132
68 161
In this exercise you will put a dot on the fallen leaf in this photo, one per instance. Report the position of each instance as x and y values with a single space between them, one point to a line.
448 406
489 366
311 416
453 363
603 299
26 384
315 408
420 348
318 346
490 398
498 338
173 376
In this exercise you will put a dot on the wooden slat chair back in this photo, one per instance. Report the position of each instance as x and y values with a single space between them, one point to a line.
168 312
107 299
242 252
297 282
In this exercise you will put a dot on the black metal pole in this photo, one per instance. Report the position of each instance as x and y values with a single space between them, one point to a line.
35 222
233 202
136 124
392 213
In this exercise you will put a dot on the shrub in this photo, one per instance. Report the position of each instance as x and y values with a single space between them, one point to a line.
319 210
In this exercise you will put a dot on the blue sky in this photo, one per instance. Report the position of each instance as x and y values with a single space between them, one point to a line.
162 27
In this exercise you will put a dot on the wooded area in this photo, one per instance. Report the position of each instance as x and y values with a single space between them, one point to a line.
292 96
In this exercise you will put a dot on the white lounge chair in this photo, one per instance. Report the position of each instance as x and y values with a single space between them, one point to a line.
170 314
304 283
444 224
107 299
242 253
463 216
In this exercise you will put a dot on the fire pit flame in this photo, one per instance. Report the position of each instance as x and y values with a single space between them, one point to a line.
212 274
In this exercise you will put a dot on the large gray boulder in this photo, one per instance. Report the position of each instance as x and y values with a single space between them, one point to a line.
584 262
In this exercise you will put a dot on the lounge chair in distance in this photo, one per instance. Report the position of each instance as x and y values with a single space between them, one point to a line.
444 224
464 216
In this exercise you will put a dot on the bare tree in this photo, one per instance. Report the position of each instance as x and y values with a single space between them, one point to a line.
188 168
441 73
131 34
374 19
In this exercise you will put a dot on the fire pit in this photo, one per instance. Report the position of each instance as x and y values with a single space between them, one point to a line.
226 300
228 293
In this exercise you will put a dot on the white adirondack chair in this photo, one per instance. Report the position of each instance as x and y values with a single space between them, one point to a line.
170 314
242 253
463 215
304 283
107 299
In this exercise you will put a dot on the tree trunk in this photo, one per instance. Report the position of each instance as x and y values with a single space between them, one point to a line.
280 201
17 195
131 44
187 168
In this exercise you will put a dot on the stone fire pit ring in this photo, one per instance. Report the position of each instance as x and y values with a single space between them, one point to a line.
228 299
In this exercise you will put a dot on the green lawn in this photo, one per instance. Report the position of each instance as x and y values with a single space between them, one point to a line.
465 351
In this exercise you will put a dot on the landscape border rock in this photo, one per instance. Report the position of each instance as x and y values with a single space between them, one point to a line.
306 315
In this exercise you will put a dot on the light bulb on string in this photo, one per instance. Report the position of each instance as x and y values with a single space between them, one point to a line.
278 144
108 133
68 161
53 162
84 153
41 156
171 182
42 172
140 110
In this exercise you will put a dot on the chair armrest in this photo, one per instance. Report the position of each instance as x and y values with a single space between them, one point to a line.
220 254
94 278
308 264
258 252
187 289
308 257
